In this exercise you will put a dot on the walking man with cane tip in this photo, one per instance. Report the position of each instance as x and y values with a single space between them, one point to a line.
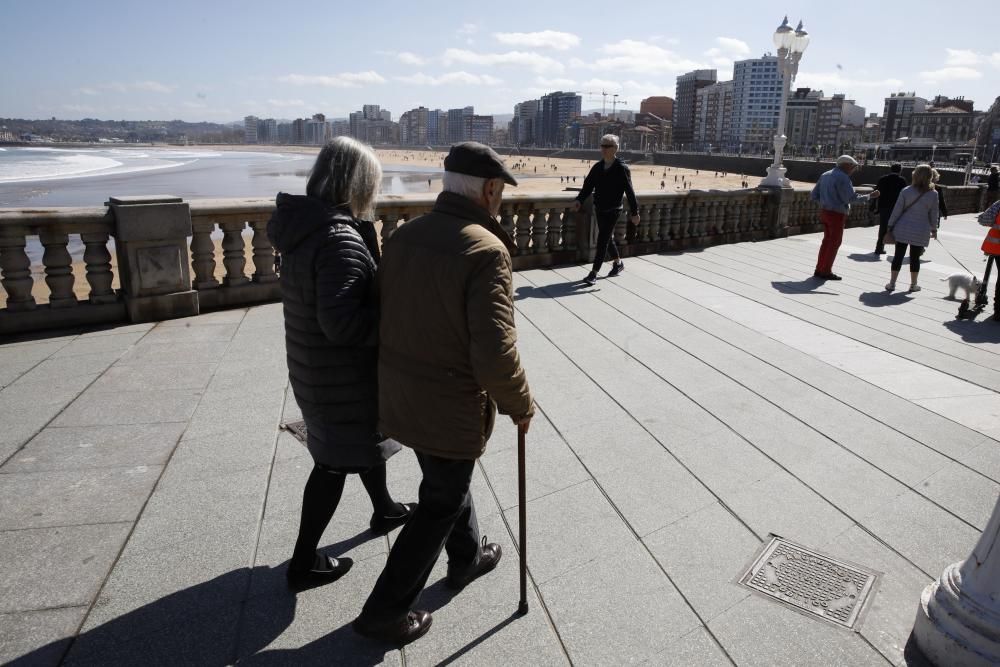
448 362
609 180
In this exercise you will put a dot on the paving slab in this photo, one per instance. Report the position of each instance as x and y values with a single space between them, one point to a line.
137 407
75 448
38 637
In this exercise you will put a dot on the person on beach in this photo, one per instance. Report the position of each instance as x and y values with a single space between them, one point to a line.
835 194
914 222
448 361
889 187
329 253
609 180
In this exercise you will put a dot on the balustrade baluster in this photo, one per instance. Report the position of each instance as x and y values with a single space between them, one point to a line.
263 254
569 222
390 222
523 231
97 257
15 267
234 254
507 219
642 233
539 225
203 257
58 269
557 221
667 230
621 227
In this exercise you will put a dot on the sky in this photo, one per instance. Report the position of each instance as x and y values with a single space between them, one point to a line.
220 61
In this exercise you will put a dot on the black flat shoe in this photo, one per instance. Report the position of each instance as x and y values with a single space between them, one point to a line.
489 556
398 632
325 570
381 525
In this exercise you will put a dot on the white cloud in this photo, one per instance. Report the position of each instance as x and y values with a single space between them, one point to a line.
284 104
468 29
962 57
87 91
544 39
534 61
408 58
555 82
995 59
460 78
726 51
630 55
153 87
342 80
837 82
947 73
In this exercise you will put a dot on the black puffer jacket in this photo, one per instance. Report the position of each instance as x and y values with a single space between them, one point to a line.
328 262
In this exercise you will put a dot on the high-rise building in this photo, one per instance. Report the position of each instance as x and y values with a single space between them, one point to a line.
371 112
757 92
897 112
658 106
299 131
267 131
713 115
456 124
555 112
285 133
686 100
479 128
356 121
250 130
437 127
801 118
340 127
317 131
385 114
522 125
836 113
415 131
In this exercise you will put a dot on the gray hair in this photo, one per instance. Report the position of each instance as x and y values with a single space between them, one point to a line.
468 186
613 138
346 173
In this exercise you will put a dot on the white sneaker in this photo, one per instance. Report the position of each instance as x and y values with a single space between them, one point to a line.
890 287
914 288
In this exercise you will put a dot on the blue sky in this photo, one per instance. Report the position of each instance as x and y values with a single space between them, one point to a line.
220 61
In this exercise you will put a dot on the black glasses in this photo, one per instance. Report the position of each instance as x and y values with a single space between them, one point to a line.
607 145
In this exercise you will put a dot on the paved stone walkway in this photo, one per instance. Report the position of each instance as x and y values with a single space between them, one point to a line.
688 409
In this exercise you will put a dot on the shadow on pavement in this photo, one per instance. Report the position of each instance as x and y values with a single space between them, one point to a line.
552 291
985 330
883 298
807 286
865 257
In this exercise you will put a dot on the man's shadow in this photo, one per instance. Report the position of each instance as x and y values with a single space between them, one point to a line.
985 330
883 298
213 623
807 286
552 291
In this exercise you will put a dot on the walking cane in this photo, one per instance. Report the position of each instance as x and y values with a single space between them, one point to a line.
522 607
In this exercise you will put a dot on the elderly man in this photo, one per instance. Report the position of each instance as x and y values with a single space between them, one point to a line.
609 180
835 194
447 361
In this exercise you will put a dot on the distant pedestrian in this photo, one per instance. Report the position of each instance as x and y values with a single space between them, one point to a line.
992 186
889 186
663 184
914 222
835 193
329 252
609 180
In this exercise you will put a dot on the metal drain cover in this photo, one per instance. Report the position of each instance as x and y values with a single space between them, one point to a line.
811 582
298 429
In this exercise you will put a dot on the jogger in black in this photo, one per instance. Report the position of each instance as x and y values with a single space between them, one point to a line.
609 180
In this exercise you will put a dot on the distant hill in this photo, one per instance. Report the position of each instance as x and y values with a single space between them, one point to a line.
131 131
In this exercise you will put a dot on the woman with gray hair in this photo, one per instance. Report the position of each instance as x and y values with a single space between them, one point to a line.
329 253
914 221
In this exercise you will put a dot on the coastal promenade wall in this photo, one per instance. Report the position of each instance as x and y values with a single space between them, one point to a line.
218 254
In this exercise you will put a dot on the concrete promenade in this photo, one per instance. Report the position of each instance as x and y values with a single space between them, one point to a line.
688 409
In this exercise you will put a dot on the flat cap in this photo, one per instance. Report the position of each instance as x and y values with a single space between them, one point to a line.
476 159
846 159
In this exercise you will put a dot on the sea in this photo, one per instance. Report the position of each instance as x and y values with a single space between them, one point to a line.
47 176
33 177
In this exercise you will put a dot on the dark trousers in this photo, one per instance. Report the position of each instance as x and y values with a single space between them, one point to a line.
915 252
883 227
606 221
445 519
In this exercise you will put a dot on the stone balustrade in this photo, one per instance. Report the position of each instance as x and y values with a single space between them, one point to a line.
226 233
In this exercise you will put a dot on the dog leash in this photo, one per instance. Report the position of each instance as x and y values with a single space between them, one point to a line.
971 273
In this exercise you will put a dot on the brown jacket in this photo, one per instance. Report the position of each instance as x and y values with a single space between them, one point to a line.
447 344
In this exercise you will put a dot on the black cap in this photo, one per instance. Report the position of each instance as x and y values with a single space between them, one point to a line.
476 159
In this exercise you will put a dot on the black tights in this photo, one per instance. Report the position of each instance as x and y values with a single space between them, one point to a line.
320 498
915 253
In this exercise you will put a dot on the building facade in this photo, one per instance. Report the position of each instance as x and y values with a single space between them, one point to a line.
713 116
478 128
897 114
555 112
686 102
949 124
757 92
456 124
522 125
250 130
661 106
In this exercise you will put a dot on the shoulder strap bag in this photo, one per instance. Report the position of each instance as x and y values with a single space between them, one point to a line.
889 238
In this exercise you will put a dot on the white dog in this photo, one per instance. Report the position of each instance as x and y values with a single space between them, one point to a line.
969 283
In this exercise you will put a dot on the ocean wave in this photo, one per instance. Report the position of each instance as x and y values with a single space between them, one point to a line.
46 171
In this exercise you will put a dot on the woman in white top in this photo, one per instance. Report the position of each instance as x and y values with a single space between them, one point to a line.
914 221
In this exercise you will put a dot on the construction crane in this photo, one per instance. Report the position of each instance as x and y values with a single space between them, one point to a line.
604 100
615 102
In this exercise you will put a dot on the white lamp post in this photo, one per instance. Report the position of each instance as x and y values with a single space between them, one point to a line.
958 620
790 44
933 152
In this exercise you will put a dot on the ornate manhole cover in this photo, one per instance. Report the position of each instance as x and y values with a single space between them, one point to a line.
298 429
808 581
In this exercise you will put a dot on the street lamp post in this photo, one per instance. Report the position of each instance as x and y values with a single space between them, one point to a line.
933 151
790 44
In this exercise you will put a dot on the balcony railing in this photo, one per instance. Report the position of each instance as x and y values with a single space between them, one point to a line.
58 267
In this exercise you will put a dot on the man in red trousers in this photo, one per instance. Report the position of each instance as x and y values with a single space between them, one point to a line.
835 194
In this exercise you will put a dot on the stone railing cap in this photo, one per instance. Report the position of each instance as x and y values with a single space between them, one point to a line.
143 199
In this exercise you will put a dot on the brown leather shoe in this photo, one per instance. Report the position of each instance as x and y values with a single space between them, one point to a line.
489 556
398 631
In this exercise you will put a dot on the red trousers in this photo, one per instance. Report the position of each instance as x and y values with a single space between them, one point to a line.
833 234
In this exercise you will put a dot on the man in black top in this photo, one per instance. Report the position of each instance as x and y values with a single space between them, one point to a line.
608 179
889 186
